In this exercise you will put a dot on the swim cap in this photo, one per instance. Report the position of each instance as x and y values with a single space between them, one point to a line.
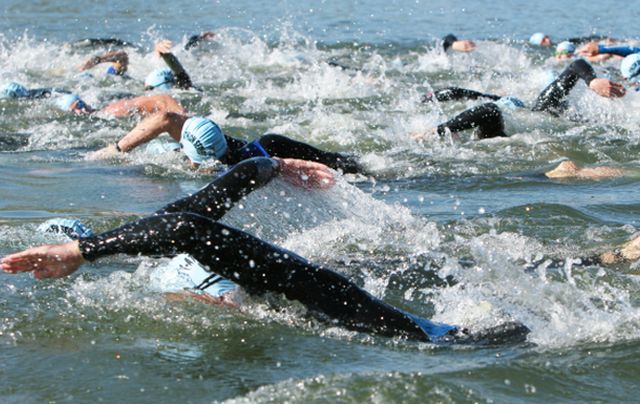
13 90
160 78
202 139
72 228
565 48
537 38
630 67
65 101
510 102
112 71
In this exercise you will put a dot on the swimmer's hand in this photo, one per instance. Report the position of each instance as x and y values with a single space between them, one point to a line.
306 174
208 35
463 46
47 261
606 88
163 46
104 153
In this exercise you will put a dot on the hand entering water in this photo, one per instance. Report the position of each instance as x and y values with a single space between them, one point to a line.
47 261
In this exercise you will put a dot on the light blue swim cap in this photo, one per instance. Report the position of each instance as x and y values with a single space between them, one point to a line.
72 228
630 67
202 139
565 48
64 101
13 90
160 78
537 38
510 102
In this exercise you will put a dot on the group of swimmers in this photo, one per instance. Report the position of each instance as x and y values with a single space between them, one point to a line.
191 225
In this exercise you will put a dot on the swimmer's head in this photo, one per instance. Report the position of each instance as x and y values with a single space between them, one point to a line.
71 102
630 67
13 90
540 39
510 102
565 50
160 78
202 139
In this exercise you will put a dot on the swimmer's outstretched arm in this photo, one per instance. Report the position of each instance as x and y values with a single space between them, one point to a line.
457 93
550 98
145 131
144 105
217 198
163 49
120 61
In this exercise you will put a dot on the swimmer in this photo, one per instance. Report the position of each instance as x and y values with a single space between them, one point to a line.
164 79
188 226
569 169
488 118
594 49
196 39
452 42
17 90
544 40
144 105
202 139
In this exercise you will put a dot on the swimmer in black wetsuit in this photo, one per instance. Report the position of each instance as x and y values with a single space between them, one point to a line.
450 41
189 226
488 119
202 139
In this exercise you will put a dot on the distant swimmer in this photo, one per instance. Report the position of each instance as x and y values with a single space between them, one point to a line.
544 40
452 42
118 62
201 140
488 118
187 226
16 90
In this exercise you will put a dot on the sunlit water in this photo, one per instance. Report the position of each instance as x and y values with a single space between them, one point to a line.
479 215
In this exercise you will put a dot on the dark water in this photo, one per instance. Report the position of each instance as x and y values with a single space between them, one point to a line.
480 213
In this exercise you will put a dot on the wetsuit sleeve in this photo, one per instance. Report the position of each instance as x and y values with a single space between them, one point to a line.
487 118
41 92
258 267
550 99
457 93
583 39
100 42
618 50
447 41
217 198
182 78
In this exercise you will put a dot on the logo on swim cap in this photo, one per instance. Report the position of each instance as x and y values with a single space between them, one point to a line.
630 67
565 48
510 102
202 139
537 38
160 78
72 228
14 90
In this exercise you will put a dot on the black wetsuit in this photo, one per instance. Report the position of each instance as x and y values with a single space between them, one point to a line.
189 226
447 41
487 118
281 146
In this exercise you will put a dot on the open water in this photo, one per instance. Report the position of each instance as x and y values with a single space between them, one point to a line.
480 215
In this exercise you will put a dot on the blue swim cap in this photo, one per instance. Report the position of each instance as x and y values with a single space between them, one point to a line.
65 101
72 228
510 102
202 139
565 48
13 90
537 38
630 67
160 78
112 71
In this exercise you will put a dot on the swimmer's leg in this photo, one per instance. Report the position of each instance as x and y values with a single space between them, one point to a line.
284 147
550 99
486 117
261 267
214 200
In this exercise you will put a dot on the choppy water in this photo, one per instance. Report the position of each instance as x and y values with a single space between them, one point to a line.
479 214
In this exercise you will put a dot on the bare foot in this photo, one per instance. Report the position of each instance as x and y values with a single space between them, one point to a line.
47 261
